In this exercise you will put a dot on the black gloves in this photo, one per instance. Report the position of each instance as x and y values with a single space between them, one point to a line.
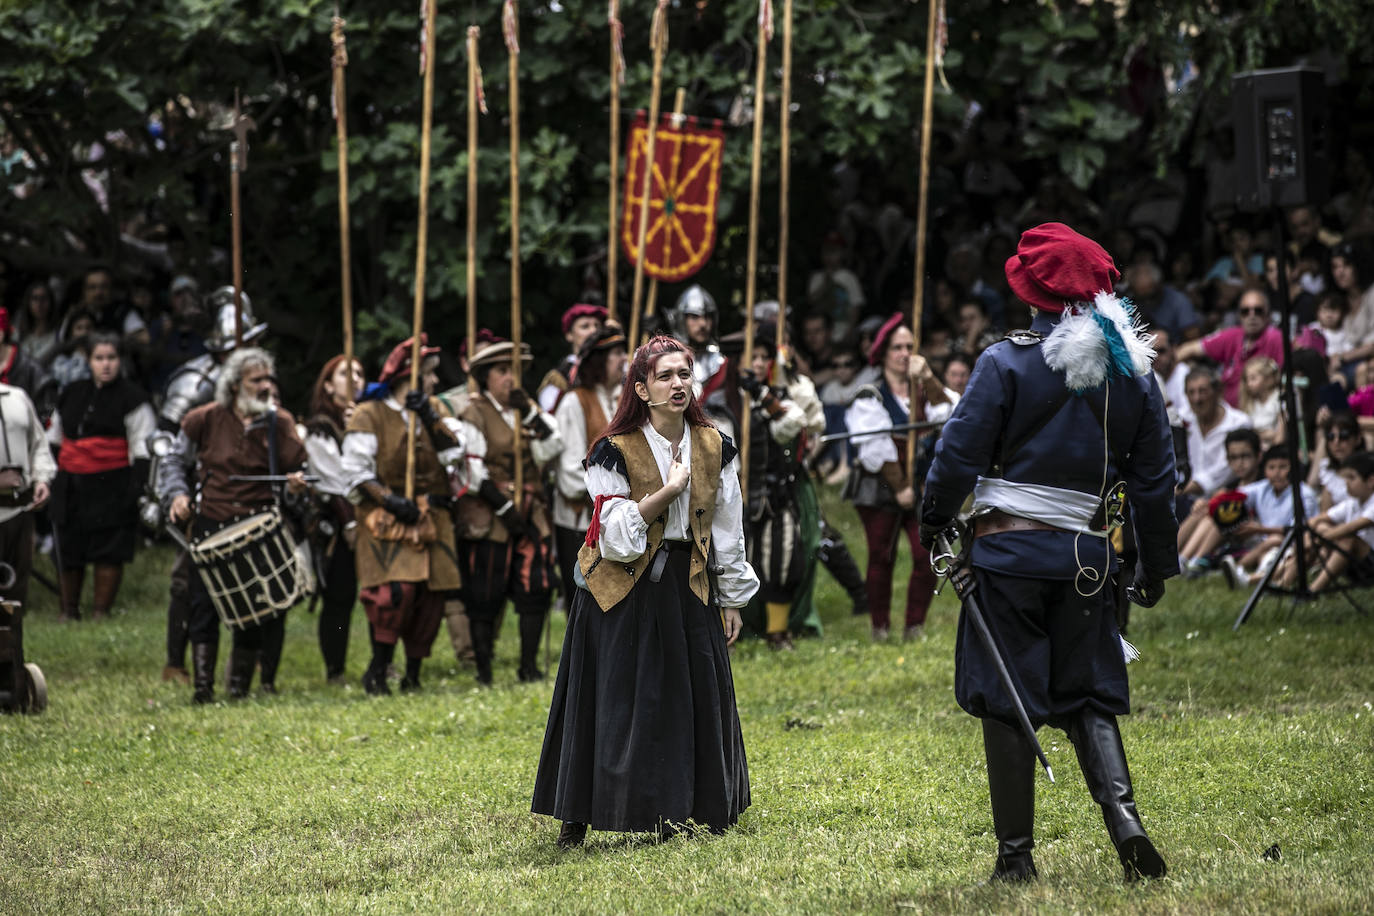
514 523
418 402
931 528
1145 591
519 401
750 383
405 510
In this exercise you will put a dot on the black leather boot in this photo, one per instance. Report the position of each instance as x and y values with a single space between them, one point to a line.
374 678
242 663
482 637
1011 787
411 681
203 657
839 562
571 835
1102 758
273 640
531 627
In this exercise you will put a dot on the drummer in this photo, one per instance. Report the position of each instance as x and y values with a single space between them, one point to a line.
230 437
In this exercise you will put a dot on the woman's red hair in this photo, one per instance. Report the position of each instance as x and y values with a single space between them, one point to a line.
633 412
321 402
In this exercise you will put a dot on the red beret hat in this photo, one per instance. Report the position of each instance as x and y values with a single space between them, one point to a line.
582 310
398 362
1054 265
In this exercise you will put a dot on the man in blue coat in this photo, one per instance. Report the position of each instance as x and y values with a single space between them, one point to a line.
1060 426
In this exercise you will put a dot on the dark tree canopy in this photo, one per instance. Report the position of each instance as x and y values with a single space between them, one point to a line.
149 83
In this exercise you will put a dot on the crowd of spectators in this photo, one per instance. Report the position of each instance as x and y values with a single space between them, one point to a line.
1212 298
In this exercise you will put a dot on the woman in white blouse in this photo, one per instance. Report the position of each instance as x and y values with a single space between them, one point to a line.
582 414
332 401
643 732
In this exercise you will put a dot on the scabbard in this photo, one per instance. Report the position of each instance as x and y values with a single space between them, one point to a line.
961 577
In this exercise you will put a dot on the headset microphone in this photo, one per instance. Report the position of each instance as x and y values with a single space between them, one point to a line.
657 403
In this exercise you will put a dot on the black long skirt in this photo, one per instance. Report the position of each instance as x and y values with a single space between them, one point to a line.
643 729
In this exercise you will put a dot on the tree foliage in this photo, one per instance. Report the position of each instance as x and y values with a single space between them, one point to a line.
73 75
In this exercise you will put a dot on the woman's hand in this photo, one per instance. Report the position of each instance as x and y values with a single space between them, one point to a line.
906 497
919 370
733 624
679 475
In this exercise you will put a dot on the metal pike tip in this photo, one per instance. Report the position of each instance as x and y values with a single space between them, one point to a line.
1050 773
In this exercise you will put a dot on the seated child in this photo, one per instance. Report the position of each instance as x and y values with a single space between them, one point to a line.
1199 535
1272 504
1349 525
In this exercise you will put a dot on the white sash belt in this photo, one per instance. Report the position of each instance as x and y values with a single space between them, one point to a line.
1068 509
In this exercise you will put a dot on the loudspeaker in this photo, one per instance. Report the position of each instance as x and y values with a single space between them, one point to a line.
1282 154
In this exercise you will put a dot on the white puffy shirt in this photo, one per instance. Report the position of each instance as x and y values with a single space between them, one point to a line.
624 531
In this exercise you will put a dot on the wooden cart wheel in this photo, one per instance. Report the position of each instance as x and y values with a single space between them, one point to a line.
38 689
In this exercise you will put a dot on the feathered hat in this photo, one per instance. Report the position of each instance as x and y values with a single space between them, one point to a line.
1100 336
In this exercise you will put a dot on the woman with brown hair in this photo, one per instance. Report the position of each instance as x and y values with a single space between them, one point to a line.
643 732
882 491
334 532
582 414
101 427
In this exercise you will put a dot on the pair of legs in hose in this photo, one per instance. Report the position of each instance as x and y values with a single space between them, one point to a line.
883 528
494 572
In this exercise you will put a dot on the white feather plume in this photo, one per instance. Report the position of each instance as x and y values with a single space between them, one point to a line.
1078 348
1133 333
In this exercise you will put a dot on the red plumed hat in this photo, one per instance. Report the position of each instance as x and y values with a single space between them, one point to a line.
1054 265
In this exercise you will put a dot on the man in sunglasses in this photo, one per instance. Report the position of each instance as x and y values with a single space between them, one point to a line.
1232 348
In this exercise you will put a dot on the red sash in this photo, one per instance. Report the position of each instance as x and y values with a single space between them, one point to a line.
93 455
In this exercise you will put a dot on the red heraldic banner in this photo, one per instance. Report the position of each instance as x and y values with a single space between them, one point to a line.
683 192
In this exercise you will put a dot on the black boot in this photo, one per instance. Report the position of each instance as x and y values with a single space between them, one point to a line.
273 640
531 627
1102 758
1011 786
482 636
412 679
837 559
242 663
203 656
374 678
571 835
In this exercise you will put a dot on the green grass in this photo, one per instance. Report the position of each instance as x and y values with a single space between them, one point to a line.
868 783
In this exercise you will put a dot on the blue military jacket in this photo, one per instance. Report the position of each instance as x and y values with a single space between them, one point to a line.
1015 421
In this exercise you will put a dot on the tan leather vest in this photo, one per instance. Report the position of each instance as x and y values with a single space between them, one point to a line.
608 581
500 459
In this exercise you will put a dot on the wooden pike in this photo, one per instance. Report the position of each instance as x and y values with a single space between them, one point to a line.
750 279
659 42
511 29
238 164
612 236
340 62
784 177
918 291
476 103
422 239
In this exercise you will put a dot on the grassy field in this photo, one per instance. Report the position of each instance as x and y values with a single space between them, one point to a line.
868 784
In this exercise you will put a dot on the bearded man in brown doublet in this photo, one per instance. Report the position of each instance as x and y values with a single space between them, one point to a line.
230 438
505 537
405 549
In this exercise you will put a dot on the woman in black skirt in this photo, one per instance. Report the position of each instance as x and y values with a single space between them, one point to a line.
643 733
101 428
